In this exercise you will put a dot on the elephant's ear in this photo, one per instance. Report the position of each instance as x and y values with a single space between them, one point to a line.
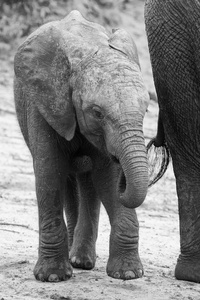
44 70
122 41
44 65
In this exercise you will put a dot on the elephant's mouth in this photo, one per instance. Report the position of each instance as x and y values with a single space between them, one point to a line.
122 183
115 159
122 178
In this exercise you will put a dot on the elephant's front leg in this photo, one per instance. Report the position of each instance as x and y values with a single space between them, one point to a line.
53 263
50 172
124 261
83 250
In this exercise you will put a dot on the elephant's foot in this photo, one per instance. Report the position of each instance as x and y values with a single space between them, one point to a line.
52 270
188 269
83 257
125 267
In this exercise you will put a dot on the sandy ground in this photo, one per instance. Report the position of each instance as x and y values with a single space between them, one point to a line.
158 217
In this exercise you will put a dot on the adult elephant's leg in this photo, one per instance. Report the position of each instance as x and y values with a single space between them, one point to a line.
50 174
124 261
188 190
83 250
174 42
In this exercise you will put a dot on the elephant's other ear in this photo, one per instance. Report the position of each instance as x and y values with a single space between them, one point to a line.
122 41
44 70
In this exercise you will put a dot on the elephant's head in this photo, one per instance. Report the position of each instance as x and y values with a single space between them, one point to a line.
77 73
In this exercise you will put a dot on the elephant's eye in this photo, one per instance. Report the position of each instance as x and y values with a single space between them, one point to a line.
97 112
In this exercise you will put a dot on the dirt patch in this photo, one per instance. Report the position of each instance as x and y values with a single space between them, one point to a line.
158 216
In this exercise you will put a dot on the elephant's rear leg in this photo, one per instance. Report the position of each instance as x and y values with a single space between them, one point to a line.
83 252
71 207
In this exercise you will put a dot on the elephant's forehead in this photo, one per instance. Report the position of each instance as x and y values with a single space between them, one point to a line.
112 74
109 94
118 82
110 80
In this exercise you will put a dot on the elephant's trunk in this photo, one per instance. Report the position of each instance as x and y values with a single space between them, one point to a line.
133 181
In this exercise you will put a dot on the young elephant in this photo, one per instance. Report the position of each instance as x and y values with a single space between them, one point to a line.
80 102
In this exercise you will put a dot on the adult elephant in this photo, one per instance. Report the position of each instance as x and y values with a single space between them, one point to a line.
80 102
174 42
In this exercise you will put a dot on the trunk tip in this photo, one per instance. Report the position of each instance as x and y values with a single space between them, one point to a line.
131 195
131 204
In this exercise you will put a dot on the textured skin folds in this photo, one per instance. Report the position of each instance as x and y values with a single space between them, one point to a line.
173 30
80 102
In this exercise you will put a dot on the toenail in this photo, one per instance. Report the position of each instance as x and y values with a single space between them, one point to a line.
140 273
116 275
53 278
73 259
129 275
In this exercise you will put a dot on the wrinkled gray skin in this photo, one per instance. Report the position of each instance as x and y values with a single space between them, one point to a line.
174 42
80 102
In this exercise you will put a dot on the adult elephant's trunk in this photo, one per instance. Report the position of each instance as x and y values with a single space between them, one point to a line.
133 181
